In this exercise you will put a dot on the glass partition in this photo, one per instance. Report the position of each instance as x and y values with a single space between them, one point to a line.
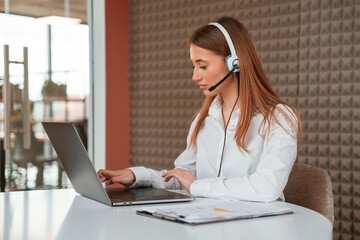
44 76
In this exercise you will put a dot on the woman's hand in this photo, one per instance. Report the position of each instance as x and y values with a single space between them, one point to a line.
125 177
185 177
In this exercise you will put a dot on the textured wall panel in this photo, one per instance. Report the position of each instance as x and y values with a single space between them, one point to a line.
310 51
329 102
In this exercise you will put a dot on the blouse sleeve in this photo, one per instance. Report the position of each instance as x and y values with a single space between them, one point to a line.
147 177
270 177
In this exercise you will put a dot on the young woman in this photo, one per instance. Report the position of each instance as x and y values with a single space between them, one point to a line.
243 142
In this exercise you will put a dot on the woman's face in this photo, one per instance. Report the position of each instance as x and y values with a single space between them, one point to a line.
209 69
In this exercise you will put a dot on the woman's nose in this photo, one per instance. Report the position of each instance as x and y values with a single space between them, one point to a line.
196 76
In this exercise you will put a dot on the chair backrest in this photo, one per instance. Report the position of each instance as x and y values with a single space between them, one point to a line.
310 187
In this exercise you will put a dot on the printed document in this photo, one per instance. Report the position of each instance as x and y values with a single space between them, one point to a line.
213 210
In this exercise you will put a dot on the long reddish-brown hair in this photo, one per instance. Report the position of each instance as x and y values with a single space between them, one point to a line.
255 92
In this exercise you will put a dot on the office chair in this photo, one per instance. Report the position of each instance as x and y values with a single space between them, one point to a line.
310 187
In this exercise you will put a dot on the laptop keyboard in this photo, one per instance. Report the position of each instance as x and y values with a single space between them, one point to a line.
139 194
122 195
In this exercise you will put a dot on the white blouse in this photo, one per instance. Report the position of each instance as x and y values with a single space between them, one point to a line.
260 175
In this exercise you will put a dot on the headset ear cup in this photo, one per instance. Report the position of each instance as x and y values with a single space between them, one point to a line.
236 63
231 62
228 63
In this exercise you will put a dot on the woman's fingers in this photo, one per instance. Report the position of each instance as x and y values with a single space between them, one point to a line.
116 179
185 177
125 177
100 172
172 173
168 177
177 171
104 174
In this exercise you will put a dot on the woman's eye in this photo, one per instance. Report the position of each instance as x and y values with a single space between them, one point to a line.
202 67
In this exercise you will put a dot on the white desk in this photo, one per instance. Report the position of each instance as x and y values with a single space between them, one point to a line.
62 214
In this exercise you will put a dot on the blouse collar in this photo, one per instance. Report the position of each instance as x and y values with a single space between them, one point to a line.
215 110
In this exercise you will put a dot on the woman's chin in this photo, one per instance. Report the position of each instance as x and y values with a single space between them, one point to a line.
207 93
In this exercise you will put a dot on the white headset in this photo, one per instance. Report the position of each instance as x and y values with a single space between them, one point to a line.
232 64
232 60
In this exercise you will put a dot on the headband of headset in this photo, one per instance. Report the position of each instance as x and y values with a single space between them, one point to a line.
232 60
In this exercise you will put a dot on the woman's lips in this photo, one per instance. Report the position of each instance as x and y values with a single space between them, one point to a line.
204 87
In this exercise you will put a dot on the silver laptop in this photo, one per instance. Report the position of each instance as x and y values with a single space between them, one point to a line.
78 167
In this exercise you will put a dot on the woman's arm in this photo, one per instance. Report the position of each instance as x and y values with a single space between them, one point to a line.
270 177
147 177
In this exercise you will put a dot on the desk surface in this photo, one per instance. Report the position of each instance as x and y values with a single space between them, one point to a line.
63 214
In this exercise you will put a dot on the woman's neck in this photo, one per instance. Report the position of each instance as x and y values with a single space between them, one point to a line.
229 96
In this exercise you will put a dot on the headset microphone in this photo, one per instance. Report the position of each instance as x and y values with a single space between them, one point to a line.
232 61
222 80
